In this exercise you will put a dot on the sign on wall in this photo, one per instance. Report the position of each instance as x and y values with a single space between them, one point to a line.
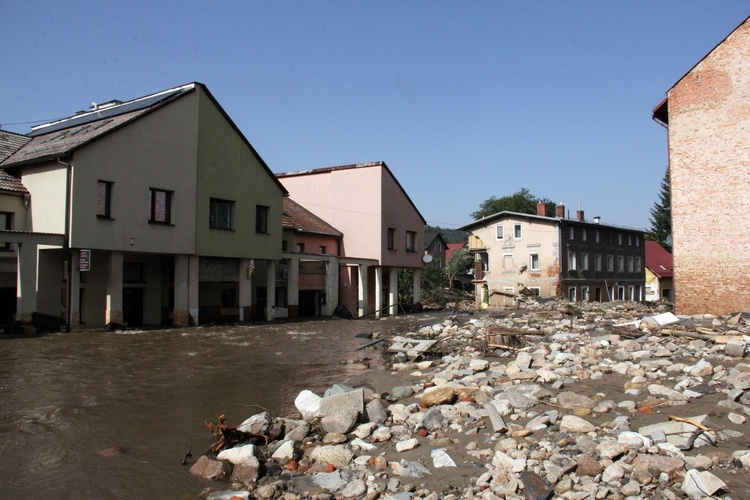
84 260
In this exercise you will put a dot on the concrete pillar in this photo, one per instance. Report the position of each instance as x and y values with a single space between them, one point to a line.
193 288
378 291
74 300
332 285
362 291
113 313
245 289
270 289
26 282
417 290
393 292
292 287
181 311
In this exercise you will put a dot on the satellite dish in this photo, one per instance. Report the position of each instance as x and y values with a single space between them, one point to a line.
668 240
427 258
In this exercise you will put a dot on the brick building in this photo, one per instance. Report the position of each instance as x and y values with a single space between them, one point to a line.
707 116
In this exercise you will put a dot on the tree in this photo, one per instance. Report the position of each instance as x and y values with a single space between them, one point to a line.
461 262
522 202
661 215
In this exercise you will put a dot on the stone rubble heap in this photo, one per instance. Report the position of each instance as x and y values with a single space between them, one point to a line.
595 401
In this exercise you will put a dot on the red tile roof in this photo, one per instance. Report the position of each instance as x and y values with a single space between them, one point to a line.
659 260
297 217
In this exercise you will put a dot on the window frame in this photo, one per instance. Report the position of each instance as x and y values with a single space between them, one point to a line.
584 261
532 257
620 264
517 231
391 238
106 210
168 200
597 262
499 232
261 219
410 245
214 212
572 261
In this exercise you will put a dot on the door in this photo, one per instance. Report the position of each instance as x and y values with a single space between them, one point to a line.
132 306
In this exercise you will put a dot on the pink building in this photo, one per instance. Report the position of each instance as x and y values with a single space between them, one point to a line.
383 230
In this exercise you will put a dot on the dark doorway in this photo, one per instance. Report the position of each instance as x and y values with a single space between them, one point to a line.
7 305
309 303
132 306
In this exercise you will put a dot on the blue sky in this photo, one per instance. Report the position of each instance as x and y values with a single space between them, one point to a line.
462 99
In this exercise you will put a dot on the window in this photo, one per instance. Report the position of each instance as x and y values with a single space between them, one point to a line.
637 241
584 262
391 237
322 249
508 263
221 214
411 237
610 263
619 239
630 240
261 219
534 261
571 233
301 247
584 293
499 232
583 234
597 262
517 231
571 261
620 264
6 222
572 294
630 264
104 200
596 236
161 206
637 264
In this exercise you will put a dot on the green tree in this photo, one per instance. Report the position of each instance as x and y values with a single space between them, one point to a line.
661 215
461 262
522 202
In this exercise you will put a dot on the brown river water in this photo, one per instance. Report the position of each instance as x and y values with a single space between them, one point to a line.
65 397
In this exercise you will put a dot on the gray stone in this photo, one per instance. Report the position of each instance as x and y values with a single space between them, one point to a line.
666 392
342 421
680 434
415 469
375 412
612 473
330 481
352 400
432 420
209 469
337 455
611 449
284 453
337 389
438 395
354 489
701 484
308 404
735 348
238 454
401 392
246 472
257 424
440 458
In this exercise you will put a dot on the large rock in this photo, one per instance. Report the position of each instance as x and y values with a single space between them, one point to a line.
337 455
308 404
375 412
238 454
345 401
570 400
246 472
257 424
571 423
438 396
342 421
209 469
701 484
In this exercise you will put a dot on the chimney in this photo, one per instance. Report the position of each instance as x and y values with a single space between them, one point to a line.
541 208
579 215
560 211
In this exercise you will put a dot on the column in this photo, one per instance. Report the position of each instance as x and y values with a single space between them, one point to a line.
245 289
393 292
74 299
417 290
362 291
26 282
332 285
292 287
378 291
181 311
270 289
193 286
113 313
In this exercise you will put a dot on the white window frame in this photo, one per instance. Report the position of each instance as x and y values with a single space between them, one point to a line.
572 294
620 264
610 263
638 267
584 293
597 262
631 267
584 261
532 258
499 232
572 262
517 231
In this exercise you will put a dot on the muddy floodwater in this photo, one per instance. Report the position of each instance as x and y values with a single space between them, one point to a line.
112 415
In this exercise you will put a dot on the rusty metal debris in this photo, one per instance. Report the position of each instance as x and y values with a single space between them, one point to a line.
228 437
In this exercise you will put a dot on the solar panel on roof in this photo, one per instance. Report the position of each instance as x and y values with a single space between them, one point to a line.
109 112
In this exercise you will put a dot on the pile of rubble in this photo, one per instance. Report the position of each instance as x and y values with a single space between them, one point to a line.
597 401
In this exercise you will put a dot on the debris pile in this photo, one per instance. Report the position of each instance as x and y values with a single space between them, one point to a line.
604 401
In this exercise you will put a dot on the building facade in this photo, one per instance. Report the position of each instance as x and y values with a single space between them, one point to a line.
707 115
576 259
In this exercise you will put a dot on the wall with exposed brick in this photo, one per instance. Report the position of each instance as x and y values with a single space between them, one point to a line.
709 160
